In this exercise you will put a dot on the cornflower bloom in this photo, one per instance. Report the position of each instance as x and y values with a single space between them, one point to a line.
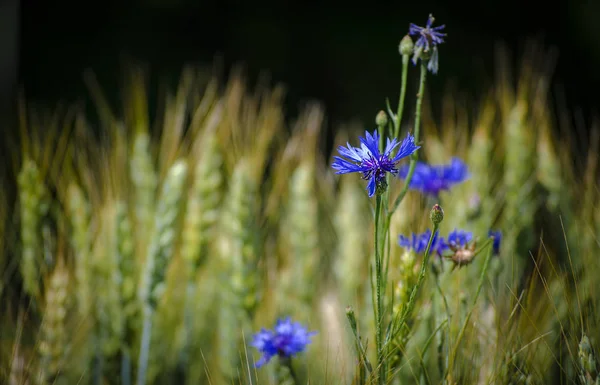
426 46
370 162
459 238
431 179
497 239
418 242
287 339
463 252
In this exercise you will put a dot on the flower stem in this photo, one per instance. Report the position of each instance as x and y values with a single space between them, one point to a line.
414 156
378 287
466 322
289 377
407 311
398 118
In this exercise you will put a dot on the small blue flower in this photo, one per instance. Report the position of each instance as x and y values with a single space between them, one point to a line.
431 179
497 239
370 162
287 339
418 242
429 38
459 238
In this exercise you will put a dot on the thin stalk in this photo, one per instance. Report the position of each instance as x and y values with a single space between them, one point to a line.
414 156
144 346
479 287
441 293
378 301
413 294
287 363
398 118
360 349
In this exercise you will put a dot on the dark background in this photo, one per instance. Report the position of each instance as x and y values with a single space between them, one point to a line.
343 54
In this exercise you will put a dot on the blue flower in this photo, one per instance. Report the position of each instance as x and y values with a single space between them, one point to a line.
431 179
370 162
497 239
287 339
429 38
459 238
418 242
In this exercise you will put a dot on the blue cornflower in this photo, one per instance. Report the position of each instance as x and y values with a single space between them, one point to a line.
431 179
370 162
497 239
429 38
418 242
459 238
287 339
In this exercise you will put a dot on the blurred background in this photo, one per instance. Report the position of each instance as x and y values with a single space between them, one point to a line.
343 54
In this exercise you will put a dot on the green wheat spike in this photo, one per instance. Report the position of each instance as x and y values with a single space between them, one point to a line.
54 337
303 229
352 241
33 207
79 214
144 179
239 255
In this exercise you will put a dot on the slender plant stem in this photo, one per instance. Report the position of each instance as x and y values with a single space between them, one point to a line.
378 300
287 363
145 346
398 118
407 311
466 322
414 156
441 293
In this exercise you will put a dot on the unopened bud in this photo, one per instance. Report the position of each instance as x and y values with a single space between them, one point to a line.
406 46
381 119
437 214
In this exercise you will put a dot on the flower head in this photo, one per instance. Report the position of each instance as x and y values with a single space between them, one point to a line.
459 238
287 339
431 179
497 239
418 242
426 46
370 162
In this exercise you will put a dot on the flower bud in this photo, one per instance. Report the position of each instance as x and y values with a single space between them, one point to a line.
381 119
436 215
406 46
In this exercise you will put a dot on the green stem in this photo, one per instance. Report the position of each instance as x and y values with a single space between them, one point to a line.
378 300
407 311
441 293
479 287
360 350
414 156
398 118
286 362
